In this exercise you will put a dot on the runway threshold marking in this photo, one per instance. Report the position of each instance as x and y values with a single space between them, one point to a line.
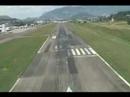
82 51
78 52
69 89
73 52
92 50
87 51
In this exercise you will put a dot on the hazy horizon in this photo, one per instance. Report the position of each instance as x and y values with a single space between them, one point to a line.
22 12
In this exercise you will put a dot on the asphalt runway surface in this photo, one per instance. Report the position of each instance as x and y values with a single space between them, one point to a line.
67 63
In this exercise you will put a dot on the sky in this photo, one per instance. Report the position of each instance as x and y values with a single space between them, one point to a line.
23 12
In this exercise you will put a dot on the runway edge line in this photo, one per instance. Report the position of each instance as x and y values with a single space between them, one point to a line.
19 78
14 85
112 69
42 46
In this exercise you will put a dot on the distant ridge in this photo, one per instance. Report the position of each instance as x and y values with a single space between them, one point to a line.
81 12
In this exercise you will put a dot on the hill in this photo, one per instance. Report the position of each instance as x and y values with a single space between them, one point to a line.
82 12
123 15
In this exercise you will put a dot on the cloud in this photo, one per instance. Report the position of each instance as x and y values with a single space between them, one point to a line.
25 11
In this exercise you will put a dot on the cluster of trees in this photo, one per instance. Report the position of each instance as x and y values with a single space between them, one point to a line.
122 16
17 22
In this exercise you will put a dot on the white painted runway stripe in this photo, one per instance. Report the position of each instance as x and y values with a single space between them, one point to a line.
39 51
92 50
82 56
77 51
14 85
68 89
126 82
83 52
87 51
73 52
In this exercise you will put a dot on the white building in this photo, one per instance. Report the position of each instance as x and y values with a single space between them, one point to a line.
58 21
39 22
3 28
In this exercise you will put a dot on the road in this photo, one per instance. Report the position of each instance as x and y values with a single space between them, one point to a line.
68 64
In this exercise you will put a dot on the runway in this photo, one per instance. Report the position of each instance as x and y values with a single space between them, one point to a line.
68 64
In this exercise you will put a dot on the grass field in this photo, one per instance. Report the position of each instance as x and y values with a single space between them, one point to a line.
110 40
17 54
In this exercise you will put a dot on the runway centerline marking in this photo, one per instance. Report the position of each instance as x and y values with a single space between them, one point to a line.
56 48
69 89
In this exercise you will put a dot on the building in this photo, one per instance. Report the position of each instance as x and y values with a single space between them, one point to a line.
39 22
4 28
59 21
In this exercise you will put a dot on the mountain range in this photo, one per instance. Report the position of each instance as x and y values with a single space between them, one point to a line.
69 12
82 12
